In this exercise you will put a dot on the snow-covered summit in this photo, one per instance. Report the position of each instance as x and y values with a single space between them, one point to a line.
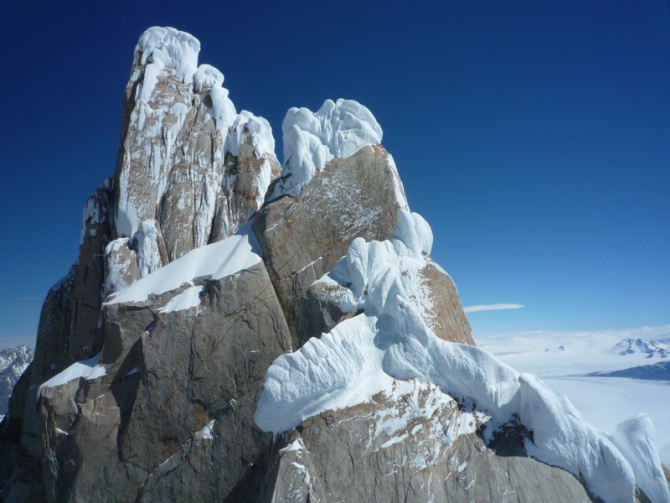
165 46
192 170
189 290
311 139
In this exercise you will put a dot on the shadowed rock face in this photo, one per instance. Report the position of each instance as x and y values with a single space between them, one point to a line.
303 238
174 413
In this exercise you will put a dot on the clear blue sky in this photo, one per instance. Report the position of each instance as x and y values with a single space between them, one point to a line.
533 136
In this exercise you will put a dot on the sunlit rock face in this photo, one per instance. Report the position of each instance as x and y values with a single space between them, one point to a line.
359 196
233 331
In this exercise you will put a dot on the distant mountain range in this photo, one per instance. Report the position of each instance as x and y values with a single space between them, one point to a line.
652 349
13 362
655 372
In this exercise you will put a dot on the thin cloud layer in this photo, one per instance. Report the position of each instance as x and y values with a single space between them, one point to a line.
491 307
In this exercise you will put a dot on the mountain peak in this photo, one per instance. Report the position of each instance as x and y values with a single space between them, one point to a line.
651 349
230 332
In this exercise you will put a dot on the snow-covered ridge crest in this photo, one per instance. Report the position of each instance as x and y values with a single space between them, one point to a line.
391 339
311 139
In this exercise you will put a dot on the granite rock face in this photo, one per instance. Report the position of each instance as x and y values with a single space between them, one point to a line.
388 451
304 237
173 413
190 172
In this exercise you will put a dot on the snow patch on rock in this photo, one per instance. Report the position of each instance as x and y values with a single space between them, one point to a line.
311 139
206 432
88 369
189 298
217 260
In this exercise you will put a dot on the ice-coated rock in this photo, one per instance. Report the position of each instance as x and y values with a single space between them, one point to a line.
178 176
207 75
121 269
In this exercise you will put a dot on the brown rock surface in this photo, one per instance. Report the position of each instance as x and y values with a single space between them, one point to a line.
388 451
303 238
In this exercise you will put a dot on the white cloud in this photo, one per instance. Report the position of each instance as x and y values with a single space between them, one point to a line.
491 307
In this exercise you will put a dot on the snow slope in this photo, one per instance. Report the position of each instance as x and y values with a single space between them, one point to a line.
216 260
88 369
392 340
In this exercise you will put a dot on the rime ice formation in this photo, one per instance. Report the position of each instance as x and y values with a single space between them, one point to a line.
207 75
167 47
635 439
200 271
311 139
361 356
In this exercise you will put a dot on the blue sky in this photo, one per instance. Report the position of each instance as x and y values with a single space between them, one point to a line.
533 136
